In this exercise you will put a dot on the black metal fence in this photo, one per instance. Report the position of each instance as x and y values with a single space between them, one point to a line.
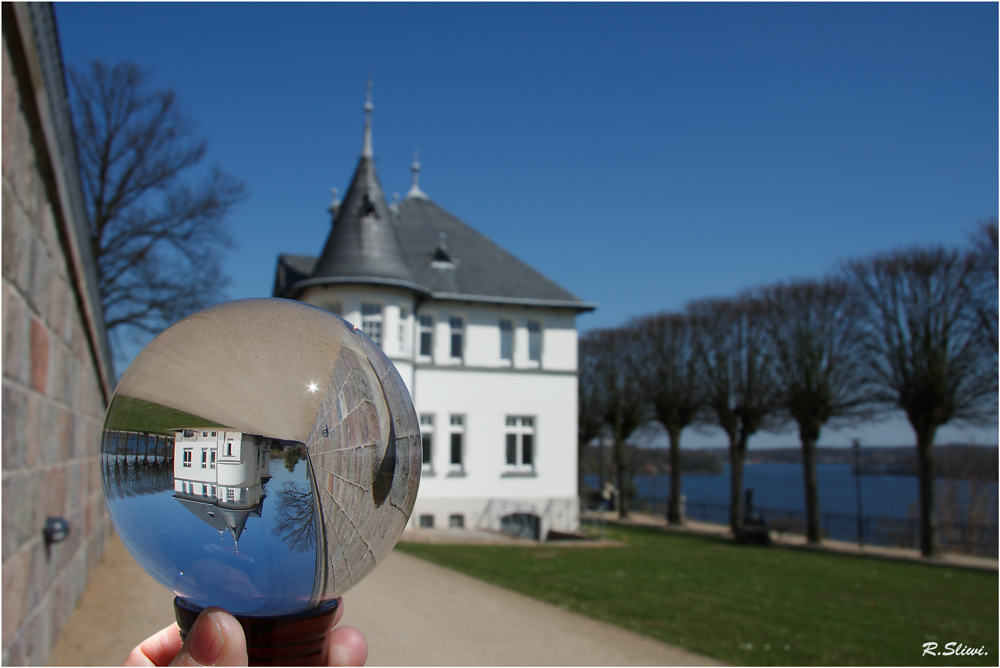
978 539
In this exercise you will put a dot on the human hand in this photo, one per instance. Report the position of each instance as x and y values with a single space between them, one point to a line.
217 639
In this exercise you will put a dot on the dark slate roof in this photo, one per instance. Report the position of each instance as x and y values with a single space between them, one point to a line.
457 262
363 242
462 264
292 269
419 246
219 518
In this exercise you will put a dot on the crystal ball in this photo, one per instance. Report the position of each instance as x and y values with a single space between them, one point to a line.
262 456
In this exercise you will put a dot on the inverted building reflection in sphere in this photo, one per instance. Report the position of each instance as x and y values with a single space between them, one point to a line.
262 456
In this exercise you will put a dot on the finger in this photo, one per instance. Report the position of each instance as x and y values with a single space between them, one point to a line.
216 639
340 610
346 647
156 650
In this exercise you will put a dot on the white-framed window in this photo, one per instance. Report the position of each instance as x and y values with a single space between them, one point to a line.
519 435
456 454
507 341
404 331
426 336
204 489
204 458
535 341
427 441
229 449
187 458
426 521
211 463
230 494
213 491
371 322
456 521
457 325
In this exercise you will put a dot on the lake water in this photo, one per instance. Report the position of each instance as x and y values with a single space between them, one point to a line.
781 486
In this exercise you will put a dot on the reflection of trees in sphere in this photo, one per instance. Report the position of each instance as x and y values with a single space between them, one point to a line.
261 455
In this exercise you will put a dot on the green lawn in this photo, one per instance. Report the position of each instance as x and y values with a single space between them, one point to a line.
130 414
747 604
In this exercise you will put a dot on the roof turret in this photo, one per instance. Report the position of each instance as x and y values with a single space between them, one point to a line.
363 243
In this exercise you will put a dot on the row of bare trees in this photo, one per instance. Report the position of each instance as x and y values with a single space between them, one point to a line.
912 331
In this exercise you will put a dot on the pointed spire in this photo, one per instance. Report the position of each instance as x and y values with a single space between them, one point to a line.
363 242
415 190
366 150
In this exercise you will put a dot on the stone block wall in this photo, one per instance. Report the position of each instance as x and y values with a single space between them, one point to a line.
56 374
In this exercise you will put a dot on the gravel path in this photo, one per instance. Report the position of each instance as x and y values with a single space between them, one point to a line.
412 613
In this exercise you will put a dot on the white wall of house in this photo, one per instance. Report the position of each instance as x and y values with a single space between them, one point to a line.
485 400
224 467
485 391
396 333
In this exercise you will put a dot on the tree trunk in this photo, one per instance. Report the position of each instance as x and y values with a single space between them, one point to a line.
622 477
674 504
813 528
736 449
600 464
929 546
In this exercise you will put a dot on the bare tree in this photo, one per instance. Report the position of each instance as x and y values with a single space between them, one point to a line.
670 377
984 282
295 521
926 351
617 375
156 238
818 366
736 364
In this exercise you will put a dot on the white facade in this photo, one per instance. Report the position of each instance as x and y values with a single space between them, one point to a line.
495 388
485 344
223 468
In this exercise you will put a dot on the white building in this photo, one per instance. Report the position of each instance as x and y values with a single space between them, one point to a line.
486 345
220 475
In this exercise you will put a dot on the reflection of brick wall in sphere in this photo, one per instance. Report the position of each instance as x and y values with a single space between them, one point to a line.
56 370
358 526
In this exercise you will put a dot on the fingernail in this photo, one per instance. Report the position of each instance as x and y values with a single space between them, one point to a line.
205 644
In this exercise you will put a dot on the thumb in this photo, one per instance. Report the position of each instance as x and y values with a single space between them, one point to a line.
216 639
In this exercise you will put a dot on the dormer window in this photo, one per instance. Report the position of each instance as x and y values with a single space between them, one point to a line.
368 206
441 259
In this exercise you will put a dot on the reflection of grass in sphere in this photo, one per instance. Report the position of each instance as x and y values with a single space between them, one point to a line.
131 414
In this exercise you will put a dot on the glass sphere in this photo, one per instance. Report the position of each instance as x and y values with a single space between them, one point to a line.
261 455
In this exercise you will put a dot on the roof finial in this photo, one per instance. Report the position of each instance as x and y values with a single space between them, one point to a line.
415 190
335 203
366 151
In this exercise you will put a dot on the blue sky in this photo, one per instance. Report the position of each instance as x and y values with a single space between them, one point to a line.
640 155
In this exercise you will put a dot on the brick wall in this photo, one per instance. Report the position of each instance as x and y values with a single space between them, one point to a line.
56 373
